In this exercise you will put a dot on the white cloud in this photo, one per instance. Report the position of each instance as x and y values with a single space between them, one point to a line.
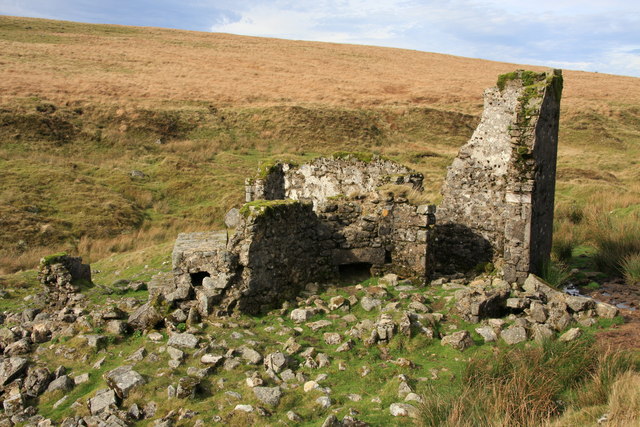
580 33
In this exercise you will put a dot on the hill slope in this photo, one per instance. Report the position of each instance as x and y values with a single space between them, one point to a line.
84 106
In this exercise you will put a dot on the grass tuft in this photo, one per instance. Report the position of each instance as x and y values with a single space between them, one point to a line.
630 266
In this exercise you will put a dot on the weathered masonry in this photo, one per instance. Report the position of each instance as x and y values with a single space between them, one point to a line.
348 214
337 221
498 196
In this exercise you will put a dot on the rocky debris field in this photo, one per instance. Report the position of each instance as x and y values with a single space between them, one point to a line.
340 355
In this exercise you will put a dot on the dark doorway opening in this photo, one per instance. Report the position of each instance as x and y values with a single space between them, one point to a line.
387 257
354 273
197 278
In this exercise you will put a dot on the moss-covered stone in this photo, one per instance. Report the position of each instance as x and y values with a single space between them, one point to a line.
357 155
262 207
53 259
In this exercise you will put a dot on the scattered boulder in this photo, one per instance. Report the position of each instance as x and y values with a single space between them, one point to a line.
605 310
403 410
105 400
268 395
514 335
460 340
251 356
301 315
487 333
37 381
13 404
123 379
12 368
63 382
369 303
187 387
184 340
571 335
276 362
145 317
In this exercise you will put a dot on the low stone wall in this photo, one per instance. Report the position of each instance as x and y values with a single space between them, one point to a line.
61 276
282 245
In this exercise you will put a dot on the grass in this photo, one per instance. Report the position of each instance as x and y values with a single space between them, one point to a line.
630 267
67 151
530 386
554 273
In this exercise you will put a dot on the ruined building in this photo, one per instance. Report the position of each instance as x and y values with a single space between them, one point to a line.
351 213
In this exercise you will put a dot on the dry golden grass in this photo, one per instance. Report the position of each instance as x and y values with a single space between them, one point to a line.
130 66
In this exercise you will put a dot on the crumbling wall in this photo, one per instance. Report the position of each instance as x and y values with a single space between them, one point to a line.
323 178
282 245
499 192
384 231
279 254
61 275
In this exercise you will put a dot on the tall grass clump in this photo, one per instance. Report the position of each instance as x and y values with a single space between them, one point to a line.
630 266
555 273
528 387
616 239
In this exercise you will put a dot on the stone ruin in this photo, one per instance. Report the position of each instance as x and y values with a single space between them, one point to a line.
352 214
61 275
498 196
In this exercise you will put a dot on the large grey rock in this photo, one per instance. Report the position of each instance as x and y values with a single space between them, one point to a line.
404 410
300 315
541 333
514 335
13 404
37 380
251 356
571 335
145 317
277 362
96 341
184 340
212 359
605 310
460 340
123 379
63 383
369 303
487 333
533 284
578 303
105 400
12 368
268 395
22 346
233 218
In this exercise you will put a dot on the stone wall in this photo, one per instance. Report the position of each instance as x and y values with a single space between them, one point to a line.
282 245
323 178
61 275
279 253
499 192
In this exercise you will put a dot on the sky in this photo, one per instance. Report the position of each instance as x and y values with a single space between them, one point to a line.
589 35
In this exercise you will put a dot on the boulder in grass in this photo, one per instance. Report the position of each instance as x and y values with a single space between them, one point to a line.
123 379
460 340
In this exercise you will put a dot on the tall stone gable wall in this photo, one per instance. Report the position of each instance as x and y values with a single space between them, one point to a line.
499 192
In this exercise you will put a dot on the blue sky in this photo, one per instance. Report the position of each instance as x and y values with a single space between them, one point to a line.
589 35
